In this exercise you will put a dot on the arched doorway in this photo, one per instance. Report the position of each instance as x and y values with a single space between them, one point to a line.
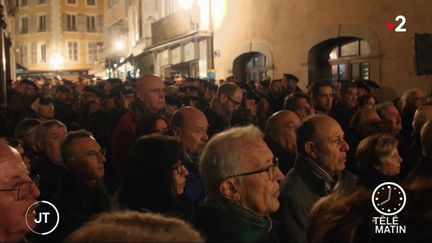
250 66
343 58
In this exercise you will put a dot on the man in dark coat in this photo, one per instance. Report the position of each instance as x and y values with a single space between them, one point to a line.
149 100
242 187
227 100
83 194
281 138
318 171
190 125
344 109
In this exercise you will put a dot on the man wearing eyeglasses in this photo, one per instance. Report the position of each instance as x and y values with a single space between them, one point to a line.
83 194
281 137
17 193
317 172
241 178
228 99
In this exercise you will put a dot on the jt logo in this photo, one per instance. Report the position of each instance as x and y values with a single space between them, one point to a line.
47 219
400 28
39 220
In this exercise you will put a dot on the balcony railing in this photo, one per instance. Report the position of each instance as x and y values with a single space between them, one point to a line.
177 24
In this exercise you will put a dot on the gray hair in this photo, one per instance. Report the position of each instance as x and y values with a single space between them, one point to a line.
66 147
382 108
408 94
224 155
42 129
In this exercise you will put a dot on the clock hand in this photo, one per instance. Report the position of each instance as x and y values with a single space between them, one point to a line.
388 198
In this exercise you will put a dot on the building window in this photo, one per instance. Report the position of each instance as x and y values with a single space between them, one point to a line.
91 2
24 25
91 23
92 53
23 54
73 51
111 3
71 22
42 53
23 3
41 2
71 2
348 60
42 23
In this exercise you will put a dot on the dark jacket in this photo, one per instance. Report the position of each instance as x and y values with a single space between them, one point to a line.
299 192
222 221
286 160
343 116
52 175
373 178
423 169
77 204
216 122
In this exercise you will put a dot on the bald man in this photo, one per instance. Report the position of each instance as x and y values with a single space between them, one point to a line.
13 205
189 125
317 172
150 100
281 136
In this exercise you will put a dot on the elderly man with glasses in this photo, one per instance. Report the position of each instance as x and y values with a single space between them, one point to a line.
241 178
228 99
17 194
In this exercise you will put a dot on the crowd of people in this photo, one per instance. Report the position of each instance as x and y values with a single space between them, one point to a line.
187 159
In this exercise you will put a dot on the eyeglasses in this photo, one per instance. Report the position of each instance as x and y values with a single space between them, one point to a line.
24 190
271 171
234 101
179 167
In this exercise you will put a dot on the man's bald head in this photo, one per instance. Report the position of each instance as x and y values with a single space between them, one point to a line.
426 138
190 125
278 119
151 91
310 129
8 153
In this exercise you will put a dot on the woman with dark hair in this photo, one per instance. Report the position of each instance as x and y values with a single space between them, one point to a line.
366 101
378 160
154 124
155 177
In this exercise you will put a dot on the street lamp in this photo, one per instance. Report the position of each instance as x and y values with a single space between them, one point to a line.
56 60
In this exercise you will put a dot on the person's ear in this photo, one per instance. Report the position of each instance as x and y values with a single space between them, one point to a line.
310 150
228 190
223 98
139 95
176 131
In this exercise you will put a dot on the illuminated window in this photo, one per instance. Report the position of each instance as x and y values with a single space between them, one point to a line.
73 51
92 55
348 60
23 54
42 53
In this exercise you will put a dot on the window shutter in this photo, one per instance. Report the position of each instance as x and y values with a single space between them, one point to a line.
64 22
34 53
99 23
82 23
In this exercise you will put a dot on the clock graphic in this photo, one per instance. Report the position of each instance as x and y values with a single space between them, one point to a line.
388 198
